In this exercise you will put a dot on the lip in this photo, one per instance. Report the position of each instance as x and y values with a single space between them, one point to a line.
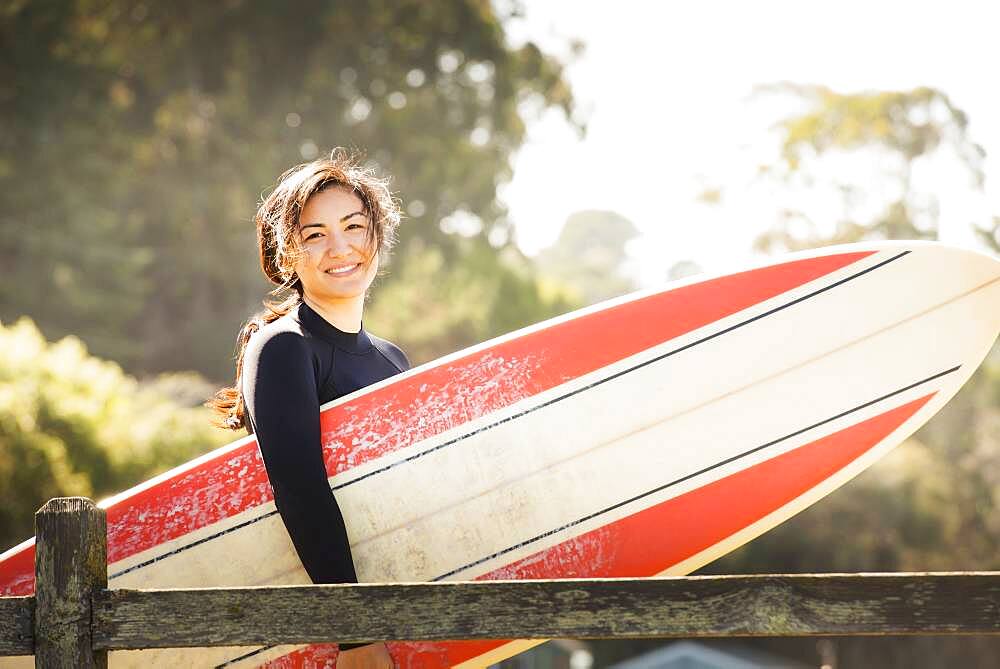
342 270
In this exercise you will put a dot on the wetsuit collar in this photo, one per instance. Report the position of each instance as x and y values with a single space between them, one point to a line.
355 342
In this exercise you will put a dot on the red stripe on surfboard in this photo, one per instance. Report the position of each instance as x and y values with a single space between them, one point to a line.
17 573
446 396
654 539
404 655
663 535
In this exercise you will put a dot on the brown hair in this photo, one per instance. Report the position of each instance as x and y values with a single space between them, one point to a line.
277 221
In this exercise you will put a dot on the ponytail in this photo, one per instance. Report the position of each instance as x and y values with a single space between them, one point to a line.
227 404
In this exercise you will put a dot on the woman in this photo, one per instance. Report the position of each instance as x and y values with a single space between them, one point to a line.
321 234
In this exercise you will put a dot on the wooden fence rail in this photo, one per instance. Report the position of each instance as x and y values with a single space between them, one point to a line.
17 616
74 619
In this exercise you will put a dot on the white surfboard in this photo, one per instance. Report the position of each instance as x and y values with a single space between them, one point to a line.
647 435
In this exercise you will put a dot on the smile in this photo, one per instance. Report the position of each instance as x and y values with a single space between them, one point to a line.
341 271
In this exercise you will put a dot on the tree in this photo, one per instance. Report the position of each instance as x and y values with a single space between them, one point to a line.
589 255
72 424
436 306
857 153
139 137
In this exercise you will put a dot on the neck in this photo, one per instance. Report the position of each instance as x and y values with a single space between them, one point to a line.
345 315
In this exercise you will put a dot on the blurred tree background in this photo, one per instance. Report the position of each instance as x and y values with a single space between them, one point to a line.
138 137
589 256
72 424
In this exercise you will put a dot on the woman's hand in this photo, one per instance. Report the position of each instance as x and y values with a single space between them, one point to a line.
372 656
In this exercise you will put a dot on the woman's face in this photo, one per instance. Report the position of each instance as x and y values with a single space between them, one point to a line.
338 263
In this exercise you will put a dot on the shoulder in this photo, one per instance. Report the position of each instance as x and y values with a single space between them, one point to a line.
280 340
394 354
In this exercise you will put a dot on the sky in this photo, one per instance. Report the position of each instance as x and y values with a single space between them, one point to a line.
665 90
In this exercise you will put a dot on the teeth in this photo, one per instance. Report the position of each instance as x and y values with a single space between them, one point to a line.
341 270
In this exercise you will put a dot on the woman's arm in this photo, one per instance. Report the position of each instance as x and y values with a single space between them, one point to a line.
280 391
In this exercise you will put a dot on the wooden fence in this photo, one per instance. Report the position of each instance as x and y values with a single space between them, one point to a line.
73 619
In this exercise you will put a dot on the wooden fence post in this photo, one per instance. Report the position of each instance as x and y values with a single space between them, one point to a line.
70 565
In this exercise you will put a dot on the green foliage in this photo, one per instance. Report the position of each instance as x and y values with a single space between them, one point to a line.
891 129
910 123
138 137
589 255
71 424
436 306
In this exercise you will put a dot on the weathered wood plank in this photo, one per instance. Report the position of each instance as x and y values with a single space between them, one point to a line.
17 615
70 566
798 605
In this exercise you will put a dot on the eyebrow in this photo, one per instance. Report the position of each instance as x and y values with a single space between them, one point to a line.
320 225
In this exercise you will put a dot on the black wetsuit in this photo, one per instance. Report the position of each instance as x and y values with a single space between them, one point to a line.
291 366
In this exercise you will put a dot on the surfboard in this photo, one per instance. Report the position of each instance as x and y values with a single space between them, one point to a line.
647 435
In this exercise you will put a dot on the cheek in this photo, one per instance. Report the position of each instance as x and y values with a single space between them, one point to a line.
306 258
372 270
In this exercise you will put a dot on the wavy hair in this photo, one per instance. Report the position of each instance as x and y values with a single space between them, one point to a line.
277 222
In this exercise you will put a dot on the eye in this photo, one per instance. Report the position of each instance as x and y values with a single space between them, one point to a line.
313 235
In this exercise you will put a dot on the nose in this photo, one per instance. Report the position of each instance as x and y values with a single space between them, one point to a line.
337 244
